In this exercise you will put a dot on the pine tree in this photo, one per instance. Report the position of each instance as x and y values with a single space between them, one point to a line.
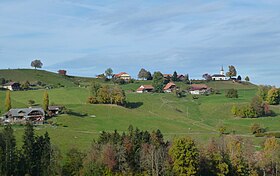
46 101
28 149
8 104
9 151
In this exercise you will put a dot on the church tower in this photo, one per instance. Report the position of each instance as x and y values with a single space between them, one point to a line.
222 71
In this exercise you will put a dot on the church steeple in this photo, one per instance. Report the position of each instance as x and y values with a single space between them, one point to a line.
222 71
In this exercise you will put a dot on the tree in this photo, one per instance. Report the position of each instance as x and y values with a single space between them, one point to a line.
207 77
272 154
263 91
247 79
8 104
149 76
174 76
186 79
25 85
231 71
273 96
74 162
185 156
143 74
238 78
109 73
46 101
258 105
158 80
9 151
31 102
29 152
36 64
232 93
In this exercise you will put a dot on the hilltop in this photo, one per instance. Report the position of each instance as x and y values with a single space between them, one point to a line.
33 76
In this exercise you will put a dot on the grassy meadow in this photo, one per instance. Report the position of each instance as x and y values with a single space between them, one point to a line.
199 118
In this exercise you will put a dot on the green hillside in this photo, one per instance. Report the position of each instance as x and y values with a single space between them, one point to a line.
33 76
174 116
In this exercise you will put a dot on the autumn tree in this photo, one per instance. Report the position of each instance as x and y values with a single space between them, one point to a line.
185 156
109 72
8 104
231 71
207 77
158 80
46 101
263 91
143 74
271 153
273 96
36 64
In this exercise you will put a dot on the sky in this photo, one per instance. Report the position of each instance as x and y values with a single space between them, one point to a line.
193 37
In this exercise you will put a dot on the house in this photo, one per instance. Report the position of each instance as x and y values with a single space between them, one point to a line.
180 77
219 77
62 72
169 87
122 75
55 110
12 86
199 89
145 88
35 115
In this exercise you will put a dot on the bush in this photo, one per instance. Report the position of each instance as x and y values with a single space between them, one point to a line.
256 128
232 93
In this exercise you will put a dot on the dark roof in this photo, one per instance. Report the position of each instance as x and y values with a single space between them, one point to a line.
10 83
218 75
54 108
25 111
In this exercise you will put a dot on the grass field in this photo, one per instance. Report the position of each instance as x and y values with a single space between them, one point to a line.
174 116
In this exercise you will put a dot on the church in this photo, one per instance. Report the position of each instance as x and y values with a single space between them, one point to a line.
219 77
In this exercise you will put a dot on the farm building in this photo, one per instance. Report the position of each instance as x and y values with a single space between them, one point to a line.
62 72
12 86
199 89
35 115
122 75
145 88
55 110
169 87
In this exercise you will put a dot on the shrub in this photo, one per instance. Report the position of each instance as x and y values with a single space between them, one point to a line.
256 128
232 93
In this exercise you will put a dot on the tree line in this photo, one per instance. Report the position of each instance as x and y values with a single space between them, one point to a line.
138 152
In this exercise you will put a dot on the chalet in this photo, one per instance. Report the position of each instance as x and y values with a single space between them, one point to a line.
145 89
55 110
122 75
181 77
12 86
199 89
62 72
169 87
219 77
35 115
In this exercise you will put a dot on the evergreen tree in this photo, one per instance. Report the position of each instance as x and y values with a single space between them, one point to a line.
74 163
174 76
28 148
8 104
247 79
185 156
46 101
9 152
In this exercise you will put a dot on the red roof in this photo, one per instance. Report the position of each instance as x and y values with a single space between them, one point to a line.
198 86
169 85
119 74
145 87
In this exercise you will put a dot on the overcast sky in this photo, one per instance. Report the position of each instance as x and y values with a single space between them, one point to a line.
190 36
